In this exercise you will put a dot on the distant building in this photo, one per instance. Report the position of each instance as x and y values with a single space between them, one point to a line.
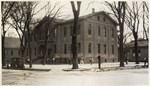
12 48
142 50
97 35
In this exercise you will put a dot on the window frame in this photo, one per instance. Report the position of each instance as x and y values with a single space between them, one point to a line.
89 29
89 48
99 30
99 46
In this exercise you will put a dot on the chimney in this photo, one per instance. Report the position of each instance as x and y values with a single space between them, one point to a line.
93 10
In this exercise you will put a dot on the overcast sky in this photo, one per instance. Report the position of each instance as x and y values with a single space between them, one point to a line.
86 8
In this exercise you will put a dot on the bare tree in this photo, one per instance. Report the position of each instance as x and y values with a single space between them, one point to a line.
74 34
126 36
119 11
21 21
6 8
50 22
132 21
17 17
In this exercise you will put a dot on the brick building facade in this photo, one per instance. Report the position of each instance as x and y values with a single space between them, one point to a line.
97 35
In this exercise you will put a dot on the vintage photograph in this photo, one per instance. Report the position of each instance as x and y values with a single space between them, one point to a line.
75 43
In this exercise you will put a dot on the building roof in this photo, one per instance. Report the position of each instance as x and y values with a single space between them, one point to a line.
93 14
12 42
141 43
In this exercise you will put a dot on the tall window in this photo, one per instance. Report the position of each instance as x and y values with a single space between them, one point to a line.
69 48
71 30
12 52
139 53
79 29
89 47
35 36
98 18
65 31
112 49
133 53
55 33
18 52
35 51
112 32
89 29
99 31
104 48
6 51
65 48
40 35
105 31
104 19
99 46
49 52
79 47
55 48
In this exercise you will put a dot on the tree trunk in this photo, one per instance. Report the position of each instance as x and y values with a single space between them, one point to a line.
3 45
121 45
74 45
136 48
28 29
74 34
29 47
3 51
45 50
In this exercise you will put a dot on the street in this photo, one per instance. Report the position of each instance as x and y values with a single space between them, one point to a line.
57 77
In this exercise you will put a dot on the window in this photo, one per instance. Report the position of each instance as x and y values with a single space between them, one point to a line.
104 48
39 34
65 32
55 48
89 29
104 19
49 52
99 31
55 33
99 46
6 51
79 47
35 51
65 48
12 52
71 30
79 28
18 52
112 49
98 18
112 32
89 47
139 53
69 48
31 51
105 31
133 53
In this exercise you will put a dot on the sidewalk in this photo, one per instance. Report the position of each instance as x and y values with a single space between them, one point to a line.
86 67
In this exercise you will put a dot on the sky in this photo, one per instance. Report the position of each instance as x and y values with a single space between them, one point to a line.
66 11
